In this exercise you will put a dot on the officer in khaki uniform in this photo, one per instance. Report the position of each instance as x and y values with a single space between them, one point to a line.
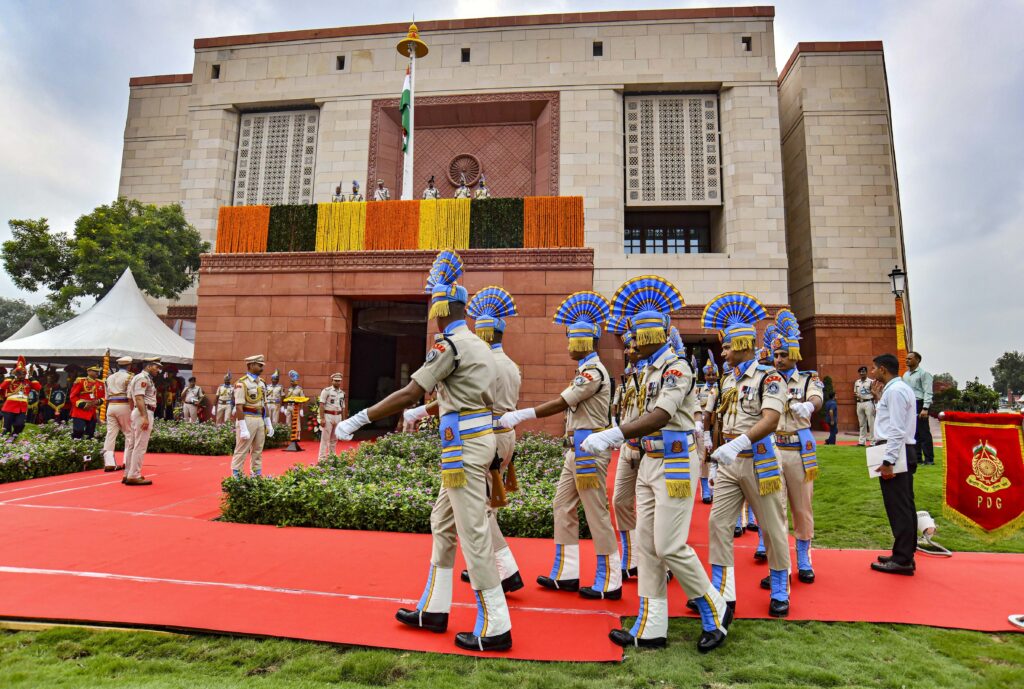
708 401
191 398
749 412
666 481
629 395
253 426
275 393
142 391
587 406
119 414
460 368
865 397
796 445
225 393
332 411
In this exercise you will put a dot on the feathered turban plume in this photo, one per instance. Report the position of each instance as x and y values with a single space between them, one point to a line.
647 302
583 313
711 366
734 315
789 333
489 308
442 286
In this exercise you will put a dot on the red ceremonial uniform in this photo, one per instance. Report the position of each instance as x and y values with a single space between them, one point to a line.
84 390
15 394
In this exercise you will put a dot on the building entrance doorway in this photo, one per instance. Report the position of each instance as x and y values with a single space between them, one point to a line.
389 339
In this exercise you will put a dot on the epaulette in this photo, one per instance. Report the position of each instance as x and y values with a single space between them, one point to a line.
763 367
811 371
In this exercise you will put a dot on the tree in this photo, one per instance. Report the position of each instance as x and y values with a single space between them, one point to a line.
1008 373
14 313
978 397
53 315
940 381
159 246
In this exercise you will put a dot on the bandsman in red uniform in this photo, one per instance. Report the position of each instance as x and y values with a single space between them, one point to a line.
15 392
87 394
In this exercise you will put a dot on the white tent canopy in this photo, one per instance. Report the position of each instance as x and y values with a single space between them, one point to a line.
121 321
33 327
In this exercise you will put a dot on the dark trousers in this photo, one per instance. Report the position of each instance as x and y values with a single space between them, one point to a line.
14 422
80 428
926 453
898 497
833 428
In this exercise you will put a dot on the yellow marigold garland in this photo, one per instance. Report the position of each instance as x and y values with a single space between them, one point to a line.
444 224
341 226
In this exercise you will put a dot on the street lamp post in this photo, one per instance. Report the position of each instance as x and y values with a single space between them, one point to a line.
899 286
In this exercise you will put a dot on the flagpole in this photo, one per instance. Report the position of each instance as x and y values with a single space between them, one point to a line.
411 47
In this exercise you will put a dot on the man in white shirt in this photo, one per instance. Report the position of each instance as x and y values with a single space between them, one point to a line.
895 425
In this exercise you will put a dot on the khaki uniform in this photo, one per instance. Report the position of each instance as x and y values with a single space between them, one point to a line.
289 409
119 415
663 520
865 409
332 407
190 398
624 491
142 384
224 395
461 369
275 393
507 382
250 397
707 401
589 399
739 481
802 386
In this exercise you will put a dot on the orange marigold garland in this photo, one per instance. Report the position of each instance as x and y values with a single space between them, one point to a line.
552 221
392 225
242 229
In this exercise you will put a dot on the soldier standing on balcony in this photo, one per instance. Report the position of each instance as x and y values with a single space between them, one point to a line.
381 193
431 192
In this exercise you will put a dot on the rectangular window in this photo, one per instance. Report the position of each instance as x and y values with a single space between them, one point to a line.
465 54
667 232
747 43
339 63
215 72
598 49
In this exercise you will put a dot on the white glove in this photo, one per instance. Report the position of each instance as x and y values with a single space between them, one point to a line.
243 429
596 443
415 415
699 427
802 410
707 439
270 427
511 419
712 473
726 454
347 428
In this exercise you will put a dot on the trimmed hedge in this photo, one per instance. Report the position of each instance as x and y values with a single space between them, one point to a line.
496 224
391 485
200 438
292 228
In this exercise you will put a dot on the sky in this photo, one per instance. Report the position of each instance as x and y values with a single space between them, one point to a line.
956 83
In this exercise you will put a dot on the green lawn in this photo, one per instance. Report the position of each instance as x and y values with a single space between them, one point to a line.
758 655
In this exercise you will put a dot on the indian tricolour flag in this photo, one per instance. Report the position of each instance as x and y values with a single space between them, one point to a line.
404 107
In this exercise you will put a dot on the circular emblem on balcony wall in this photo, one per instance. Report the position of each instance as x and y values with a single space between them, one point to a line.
464 164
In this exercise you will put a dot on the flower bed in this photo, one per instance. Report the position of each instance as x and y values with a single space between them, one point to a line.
34 455
391 485
200 438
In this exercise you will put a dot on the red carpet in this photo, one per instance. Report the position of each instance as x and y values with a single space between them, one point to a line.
85 548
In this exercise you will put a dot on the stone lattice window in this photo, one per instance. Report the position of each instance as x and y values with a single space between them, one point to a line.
276 157
671 155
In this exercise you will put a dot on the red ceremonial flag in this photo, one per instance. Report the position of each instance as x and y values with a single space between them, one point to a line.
984 470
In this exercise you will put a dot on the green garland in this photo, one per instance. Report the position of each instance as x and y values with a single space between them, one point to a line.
496 224
292 228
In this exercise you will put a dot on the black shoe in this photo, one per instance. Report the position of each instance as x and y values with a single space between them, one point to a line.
589 592
512 584
737 532
465 575
760 555
436 622
691 605
706 499
885 558
559 584
709 641
629 573
805 575
752 526
766 583
893 567
623 638
472 642
730 613
778 608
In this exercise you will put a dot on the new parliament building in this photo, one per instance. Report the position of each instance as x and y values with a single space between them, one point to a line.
692 156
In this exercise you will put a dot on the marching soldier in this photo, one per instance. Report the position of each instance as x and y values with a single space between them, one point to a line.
461 368
665 484
381 193
864 394
142 391
191 398
431 192
86 397
119 414
294 390
749 412
587 406
794 440
708 400
225 394
624 493
275 393
251 418
332 411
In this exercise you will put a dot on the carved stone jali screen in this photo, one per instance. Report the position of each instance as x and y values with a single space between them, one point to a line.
511 138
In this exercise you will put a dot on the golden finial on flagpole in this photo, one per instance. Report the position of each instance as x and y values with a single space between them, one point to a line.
411 44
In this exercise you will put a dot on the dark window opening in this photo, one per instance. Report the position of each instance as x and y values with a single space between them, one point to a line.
747 43
598 48
339 63
465 54
215 72
667 232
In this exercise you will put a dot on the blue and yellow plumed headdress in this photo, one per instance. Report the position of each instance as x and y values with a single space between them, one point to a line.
619 325
489 308
734 315
711 366
583 313
675 340
441 284
293 376
788 334
647 302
